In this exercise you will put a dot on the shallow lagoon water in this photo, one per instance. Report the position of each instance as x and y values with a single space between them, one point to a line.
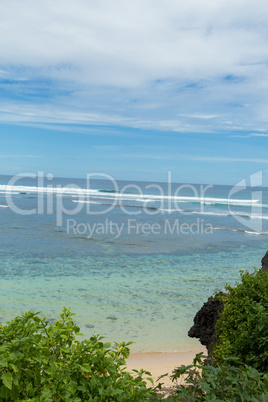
142 287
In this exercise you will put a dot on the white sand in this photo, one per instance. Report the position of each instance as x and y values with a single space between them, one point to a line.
162 363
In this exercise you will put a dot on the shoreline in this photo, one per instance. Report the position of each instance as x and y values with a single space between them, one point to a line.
159 363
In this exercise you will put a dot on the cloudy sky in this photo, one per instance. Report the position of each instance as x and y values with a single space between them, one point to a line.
135 88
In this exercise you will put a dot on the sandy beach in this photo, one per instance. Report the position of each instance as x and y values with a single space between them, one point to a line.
162 363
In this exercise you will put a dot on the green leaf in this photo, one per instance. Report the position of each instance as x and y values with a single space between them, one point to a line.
265 380
7 380
3 362
85 368
46 362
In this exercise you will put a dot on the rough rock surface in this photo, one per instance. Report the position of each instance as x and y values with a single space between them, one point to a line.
264 262
205 320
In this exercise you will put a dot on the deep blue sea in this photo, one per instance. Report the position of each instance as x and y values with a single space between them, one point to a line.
134 260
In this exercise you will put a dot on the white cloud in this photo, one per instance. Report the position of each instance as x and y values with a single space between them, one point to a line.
258 135
127 43
249 135
159 65
200 116
40 114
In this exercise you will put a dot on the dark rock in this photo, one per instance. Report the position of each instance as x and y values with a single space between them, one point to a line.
205 320
264 262
90 326
111 317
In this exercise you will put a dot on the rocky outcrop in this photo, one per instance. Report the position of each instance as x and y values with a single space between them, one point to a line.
264 262
206 318
205 321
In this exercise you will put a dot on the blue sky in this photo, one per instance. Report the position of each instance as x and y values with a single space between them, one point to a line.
135 89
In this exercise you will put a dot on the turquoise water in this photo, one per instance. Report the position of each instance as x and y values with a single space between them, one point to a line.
140 287
124 297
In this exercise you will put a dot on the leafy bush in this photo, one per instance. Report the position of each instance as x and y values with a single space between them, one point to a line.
239 370
242 329
224 383
42 362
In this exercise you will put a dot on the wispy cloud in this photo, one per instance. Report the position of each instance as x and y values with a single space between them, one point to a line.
148 156
55 117
200 158
179 66
18 156
200 116
258 135
226 159
250 135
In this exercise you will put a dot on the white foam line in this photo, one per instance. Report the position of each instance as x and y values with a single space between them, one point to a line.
233 214
8 192
173 210
88 202
230 214
49 190
209 213
255 233
143 200
243 203
125 199
241 231
86 192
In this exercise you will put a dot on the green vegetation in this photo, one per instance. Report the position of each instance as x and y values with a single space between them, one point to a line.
239 370
242 330
45 362
223 383
42 362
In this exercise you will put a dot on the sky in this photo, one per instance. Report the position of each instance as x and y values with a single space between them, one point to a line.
135 89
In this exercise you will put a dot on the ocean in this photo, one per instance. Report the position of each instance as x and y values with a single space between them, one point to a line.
134 260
